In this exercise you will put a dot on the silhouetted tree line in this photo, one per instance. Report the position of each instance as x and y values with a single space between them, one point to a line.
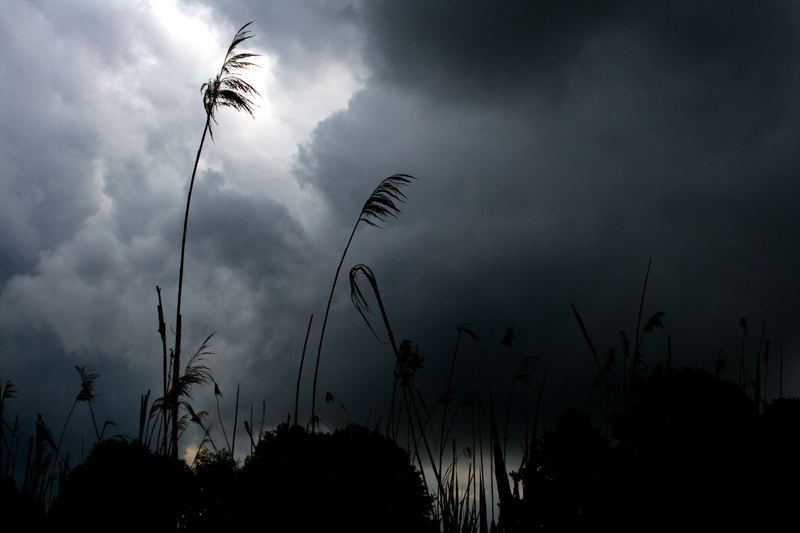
694 452
351 480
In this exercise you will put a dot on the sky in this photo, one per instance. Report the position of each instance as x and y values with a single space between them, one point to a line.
558 146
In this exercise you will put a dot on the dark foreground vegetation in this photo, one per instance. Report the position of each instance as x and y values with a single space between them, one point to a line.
294 481
694 451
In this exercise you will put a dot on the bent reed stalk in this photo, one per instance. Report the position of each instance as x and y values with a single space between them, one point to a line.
380 205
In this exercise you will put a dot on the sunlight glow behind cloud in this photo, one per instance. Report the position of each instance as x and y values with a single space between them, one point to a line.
286 111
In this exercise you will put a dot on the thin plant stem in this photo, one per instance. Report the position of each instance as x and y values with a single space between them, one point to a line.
630 375
780 378
221 424
176 362
94 422
162 332
64 429
235 422
325 325
300 371
447 397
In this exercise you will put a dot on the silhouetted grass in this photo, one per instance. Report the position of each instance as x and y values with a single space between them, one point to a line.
689 449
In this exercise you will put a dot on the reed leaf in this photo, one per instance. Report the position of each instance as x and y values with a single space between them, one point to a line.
196 417
656 321
357 295
196 371
524 369
467 328
7 392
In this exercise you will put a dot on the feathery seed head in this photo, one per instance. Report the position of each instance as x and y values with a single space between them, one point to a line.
382 203
88 378
408 362
227 89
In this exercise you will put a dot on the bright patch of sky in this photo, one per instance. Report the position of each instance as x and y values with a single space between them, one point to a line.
286 111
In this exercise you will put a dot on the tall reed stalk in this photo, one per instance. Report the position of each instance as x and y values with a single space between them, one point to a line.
227 89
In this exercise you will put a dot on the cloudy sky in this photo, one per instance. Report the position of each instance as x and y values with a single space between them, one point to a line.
558 146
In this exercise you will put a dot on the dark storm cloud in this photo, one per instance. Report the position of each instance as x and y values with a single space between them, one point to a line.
305 34
561 145
261 238
487 50
457 48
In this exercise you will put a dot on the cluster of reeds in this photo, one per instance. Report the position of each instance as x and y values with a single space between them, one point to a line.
46 462
459 486
750 378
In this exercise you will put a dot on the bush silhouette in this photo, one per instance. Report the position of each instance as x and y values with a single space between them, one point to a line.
693 452
19 508
351 480
215 492
568 488
122 484
692 455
